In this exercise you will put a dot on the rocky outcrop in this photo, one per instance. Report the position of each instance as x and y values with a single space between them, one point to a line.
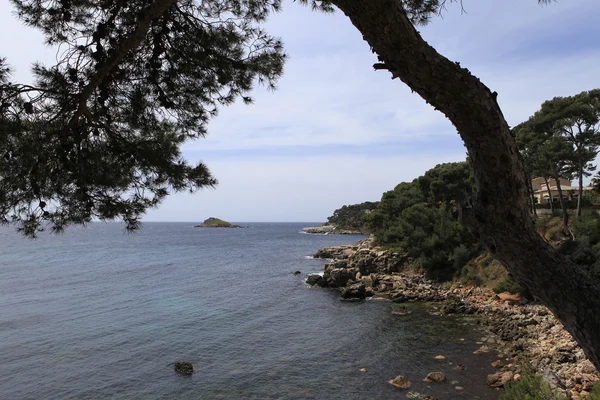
184 367
327 229
521 332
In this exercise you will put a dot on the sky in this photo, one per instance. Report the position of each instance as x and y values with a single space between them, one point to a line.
337 132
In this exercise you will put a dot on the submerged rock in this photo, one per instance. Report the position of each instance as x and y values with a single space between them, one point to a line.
437 377
184 367
400 382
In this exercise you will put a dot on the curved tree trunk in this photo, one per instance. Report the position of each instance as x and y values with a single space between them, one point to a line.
499 217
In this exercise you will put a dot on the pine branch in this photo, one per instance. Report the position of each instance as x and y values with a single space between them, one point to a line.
153 12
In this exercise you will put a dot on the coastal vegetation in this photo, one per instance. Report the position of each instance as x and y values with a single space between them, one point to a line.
350 217
213 222
98 135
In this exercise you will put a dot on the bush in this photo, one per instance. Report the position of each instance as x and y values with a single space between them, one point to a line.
595 393
508 285
530 386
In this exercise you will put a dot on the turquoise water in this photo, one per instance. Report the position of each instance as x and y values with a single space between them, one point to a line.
97 314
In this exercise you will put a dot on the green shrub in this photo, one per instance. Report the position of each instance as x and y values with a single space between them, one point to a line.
508 285
530 386
595 393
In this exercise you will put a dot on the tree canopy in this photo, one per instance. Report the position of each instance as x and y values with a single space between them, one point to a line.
98 134
422 219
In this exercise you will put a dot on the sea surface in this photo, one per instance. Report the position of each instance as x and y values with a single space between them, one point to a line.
96 313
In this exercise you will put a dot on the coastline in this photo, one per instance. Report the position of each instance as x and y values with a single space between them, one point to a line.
520 332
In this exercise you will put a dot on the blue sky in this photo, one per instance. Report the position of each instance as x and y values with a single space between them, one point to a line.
336 132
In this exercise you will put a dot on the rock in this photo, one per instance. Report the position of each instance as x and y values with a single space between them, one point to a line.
458 387
400 382
499 379
338 277
460 367
297 273
313 279
440 357
363 370
497 364
435 377
355 291
551 379
482 349
184 367
402 310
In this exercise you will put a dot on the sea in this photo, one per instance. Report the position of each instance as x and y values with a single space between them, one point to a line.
97 313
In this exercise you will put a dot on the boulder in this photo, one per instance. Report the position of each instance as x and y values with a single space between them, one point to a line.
184 367
313 279
499 379
400 382
437 377
354 291
338 277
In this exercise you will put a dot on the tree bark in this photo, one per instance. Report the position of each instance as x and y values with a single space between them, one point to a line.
579 198
549 195
531 194
499 216
563 206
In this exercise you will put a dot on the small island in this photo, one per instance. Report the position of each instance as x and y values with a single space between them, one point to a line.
213 222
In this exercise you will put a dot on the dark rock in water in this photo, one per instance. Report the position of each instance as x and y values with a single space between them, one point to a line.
355 291
435 377
297 273
400 382
314 279
184 367
338 277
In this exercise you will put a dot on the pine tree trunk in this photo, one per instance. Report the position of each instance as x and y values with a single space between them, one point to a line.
563 206
499 217
532 194
549 195
579 198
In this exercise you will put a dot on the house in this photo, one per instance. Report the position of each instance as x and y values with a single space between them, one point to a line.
540 190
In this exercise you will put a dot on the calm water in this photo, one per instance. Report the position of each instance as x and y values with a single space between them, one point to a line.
98 314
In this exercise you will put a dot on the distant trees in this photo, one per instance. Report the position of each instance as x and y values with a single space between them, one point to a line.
351 216
422 219
562 139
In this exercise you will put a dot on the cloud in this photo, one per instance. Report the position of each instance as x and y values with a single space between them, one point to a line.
337 132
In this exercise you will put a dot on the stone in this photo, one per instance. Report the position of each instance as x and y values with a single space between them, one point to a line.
313 279
338 277
440 357
400 382
297 273
354 291
363 370
184 367
482 349
437 377
499 379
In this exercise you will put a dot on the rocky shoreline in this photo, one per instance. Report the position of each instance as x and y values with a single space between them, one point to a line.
329 230
522 333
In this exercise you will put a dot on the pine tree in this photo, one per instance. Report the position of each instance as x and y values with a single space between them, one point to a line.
98 134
